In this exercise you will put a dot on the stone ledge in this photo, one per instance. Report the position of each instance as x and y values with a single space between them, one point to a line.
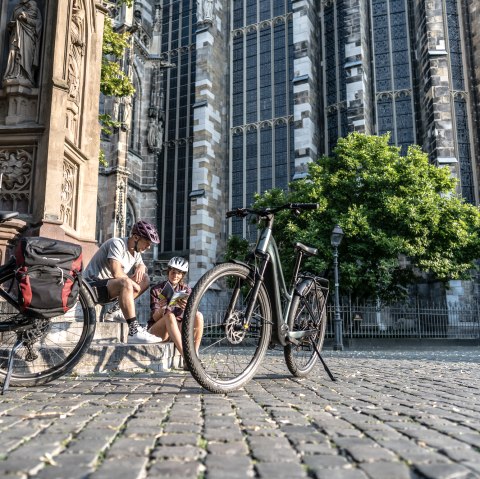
102 358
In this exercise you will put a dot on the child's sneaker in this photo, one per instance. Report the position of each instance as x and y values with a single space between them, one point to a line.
142 336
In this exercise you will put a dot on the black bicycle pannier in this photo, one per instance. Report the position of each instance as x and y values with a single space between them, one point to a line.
49 275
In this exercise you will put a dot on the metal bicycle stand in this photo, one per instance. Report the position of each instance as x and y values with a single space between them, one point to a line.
331 376
15 348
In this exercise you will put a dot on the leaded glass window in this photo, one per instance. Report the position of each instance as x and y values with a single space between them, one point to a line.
261 94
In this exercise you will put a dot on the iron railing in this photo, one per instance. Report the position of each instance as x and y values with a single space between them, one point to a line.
459 320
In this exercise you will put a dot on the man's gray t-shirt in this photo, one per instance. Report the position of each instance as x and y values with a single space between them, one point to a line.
114 248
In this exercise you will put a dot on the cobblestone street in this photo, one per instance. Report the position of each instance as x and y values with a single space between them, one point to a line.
389 415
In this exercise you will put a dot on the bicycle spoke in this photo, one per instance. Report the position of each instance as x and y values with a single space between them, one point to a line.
230 351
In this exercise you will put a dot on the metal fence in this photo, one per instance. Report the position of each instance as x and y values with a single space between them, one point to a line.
408 320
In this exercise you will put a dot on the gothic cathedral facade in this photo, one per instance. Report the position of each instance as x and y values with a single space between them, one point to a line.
236 97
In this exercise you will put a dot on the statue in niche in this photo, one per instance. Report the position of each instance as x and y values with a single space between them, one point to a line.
157 22
76 53
116 108
127 111
24 49
155 134
204 11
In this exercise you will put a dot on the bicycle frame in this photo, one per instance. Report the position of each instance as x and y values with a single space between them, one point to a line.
270 273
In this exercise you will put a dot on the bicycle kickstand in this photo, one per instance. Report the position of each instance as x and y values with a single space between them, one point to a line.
6 382
331 376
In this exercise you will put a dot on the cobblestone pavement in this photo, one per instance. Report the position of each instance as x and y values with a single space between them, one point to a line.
389 415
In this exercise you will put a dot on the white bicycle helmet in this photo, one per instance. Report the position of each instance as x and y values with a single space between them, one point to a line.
179 263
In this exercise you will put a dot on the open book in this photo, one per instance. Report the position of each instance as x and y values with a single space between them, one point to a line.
173 296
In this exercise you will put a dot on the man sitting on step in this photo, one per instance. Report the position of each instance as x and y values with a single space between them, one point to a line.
117 271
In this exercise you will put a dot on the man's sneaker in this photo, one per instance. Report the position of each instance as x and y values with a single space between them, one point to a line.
142 336
113 312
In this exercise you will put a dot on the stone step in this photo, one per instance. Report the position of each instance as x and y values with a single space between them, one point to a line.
102 358
109 351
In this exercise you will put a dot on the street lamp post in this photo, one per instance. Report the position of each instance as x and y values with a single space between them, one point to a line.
335 240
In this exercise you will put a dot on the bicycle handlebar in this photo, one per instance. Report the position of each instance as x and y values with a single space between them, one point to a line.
242 212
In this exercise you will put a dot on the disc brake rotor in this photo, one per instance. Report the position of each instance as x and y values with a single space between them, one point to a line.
234 329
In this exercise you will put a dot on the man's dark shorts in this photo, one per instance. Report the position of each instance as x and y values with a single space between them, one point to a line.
101 290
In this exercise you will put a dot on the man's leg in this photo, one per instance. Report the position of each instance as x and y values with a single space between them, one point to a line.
142 286
126 290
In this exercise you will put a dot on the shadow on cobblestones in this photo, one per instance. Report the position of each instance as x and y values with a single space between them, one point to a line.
391 414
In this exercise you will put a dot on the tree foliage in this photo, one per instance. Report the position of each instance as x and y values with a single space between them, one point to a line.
113 80
400 216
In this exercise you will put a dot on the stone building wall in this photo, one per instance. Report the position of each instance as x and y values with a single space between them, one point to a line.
357 66
306 83
473 31
210 157
436 112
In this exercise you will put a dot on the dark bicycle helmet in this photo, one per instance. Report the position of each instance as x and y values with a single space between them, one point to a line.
179 263
146 230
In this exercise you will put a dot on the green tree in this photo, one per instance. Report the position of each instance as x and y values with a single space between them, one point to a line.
390 207
113 80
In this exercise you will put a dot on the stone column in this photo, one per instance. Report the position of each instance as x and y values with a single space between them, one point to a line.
49 133
436 111
306 86
207 221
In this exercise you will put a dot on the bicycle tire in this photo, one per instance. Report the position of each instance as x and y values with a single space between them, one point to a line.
56 344
229 355
301 357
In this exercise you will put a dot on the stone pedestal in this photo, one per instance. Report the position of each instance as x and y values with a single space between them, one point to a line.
49 132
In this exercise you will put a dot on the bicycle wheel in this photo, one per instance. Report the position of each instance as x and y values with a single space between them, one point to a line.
308 313
51 347
229 354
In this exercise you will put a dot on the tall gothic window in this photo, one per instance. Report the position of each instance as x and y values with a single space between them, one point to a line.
175 162
334 35
393 72
261 107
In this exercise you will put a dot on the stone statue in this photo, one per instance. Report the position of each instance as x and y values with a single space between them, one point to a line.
204 11
152 134
24 49
127 111
116 108
155 134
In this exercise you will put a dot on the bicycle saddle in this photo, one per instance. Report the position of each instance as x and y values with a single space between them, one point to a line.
307 249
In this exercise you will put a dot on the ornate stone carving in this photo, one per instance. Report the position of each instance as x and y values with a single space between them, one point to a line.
205 11
121 213
77 50
24 48
15 179
68 196
76 55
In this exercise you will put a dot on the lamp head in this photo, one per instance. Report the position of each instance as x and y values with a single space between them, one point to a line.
336 236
